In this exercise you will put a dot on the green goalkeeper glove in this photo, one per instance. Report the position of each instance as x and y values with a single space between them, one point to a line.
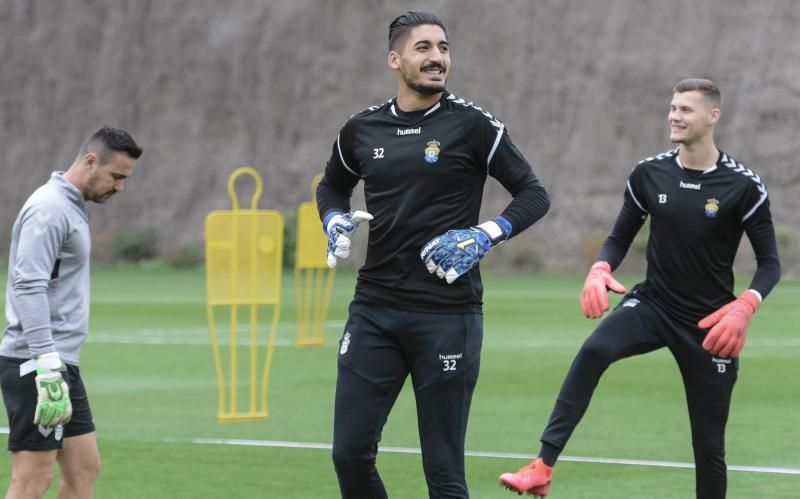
53 406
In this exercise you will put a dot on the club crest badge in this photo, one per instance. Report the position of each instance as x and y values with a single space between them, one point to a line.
345 343
432 151
712 207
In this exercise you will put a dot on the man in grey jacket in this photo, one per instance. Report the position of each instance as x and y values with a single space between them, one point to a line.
47 314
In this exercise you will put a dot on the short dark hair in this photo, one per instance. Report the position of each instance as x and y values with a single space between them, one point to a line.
108 140
708 88
402 26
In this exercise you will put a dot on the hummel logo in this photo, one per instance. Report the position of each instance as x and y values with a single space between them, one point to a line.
721 364
40 223
449 361
686 185
410 131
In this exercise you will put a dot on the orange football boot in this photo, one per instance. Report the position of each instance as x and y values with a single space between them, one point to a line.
533 479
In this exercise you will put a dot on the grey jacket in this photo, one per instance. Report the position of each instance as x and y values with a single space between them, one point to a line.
47 296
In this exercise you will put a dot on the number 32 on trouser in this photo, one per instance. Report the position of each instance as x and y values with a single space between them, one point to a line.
313 280
244 256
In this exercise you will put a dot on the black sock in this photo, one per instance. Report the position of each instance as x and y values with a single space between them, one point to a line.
549 454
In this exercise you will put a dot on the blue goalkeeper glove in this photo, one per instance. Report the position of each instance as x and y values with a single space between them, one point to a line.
53 406
339 227
455 252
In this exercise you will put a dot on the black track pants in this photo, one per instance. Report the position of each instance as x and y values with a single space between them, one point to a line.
639 326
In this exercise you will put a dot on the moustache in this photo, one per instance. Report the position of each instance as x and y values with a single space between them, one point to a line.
432 66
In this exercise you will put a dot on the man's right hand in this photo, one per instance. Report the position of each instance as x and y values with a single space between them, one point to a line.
339 227
53 406
594 297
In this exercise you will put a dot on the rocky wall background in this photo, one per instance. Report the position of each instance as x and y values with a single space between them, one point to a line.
207 86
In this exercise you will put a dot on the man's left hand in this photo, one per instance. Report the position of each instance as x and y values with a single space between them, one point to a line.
729 325
53 405
455 252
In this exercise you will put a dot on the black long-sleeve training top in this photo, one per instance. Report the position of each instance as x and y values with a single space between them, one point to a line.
697 219
423 175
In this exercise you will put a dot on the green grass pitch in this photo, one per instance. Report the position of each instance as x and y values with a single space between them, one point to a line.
150 376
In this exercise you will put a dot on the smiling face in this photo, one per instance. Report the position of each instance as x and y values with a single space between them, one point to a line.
422 60
691 117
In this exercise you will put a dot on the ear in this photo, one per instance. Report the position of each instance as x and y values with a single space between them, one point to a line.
91 160
715 115
393 59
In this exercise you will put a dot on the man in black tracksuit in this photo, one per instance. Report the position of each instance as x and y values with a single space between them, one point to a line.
700 202
424 157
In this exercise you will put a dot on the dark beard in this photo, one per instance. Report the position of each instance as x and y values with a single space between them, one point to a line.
426 89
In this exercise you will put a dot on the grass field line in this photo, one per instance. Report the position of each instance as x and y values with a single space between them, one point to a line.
479 454
491 455
199 335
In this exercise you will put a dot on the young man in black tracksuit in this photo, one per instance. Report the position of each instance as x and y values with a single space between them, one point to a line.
700 202
424 157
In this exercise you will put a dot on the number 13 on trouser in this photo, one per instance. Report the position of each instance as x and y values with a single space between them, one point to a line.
244 256
313 280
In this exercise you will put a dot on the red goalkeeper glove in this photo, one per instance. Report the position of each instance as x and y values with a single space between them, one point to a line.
594 297
729 325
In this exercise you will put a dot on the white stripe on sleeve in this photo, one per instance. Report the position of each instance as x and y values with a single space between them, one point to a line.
496 143
755 207
341 157
630 190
